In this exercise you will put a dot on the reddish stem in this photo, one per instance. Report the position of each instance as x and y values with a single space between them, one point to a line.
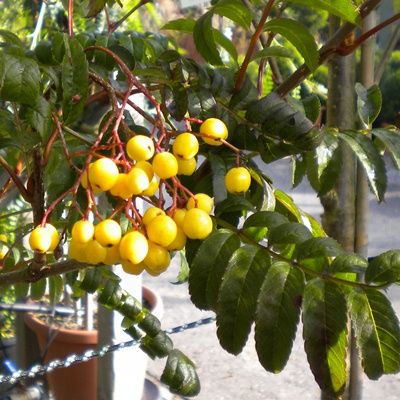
70 18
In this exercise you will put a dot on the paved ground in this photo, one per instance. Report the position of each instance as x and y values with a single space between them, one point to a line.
225 377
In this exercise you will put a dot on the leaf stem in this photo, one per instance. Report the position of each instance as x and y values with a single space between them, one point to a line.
252 45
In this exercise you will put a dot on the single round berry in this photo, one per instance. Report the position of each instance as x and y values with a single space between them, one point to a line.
179 241
140 148
211 129
197 224
178 216
237 180
162 230
152 189
55 237
187 167
107 232
165 165
77 251
202 201
146 167
120 188
103 174
185 146
132 269
95 252
40 239
84 181
150 214
133 247
157 259
112 257
137 181
82 231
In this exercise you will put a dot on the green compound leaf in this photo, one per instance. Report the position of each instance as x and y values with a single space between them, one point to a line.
377 332
208 267
289 233
75 80
384 268
204 39
391 140
348 262
19 79
318 247
238 294
277 315
299 36
325 334
370 159
341 8
180 375
259 224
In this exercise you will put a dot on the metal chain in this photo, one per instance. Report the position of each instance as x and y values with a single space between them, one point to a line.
88 355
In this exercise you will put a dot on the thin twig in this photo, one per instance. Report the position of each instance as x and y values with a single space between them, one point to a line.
18 183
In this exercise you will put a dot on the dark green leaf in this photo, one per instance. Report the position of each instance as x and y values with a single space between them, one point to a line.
38 289
331 163
369 103
56 288
391 140
384 268
260 223
38 114
182 24
19 79
208 267
312 107
233 203
94 7
341 8
289 233
370 159
180 375
75 81
287 205
272 51
318 247
325 334
11 38
238 294
235 10
299 36
203 36
348 262
226 43
277 315
218 169
377 332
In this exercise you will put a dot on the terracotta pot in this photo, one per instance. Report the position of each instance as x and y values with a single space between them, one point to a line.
79 381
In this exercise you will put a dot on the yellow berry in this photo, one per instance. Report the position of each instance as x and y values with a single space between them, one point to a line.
95 252
146 167
213 128
237 180
112 257
133 269
162 230
165 165
140 148
40 239
178 216
103 174
120 188
179 241
82 231
55 237
133 247
187 167
107 232
3 238
185 146
137 181
152 189
157 259
197 224
77 251
202 201
150 214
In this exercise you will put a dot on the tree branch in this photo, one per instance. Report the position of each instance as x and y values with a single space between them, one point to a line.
18 183
326 51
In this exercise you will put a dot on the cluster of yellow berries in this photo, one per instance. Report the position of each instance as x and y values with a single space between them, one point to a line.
147 245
